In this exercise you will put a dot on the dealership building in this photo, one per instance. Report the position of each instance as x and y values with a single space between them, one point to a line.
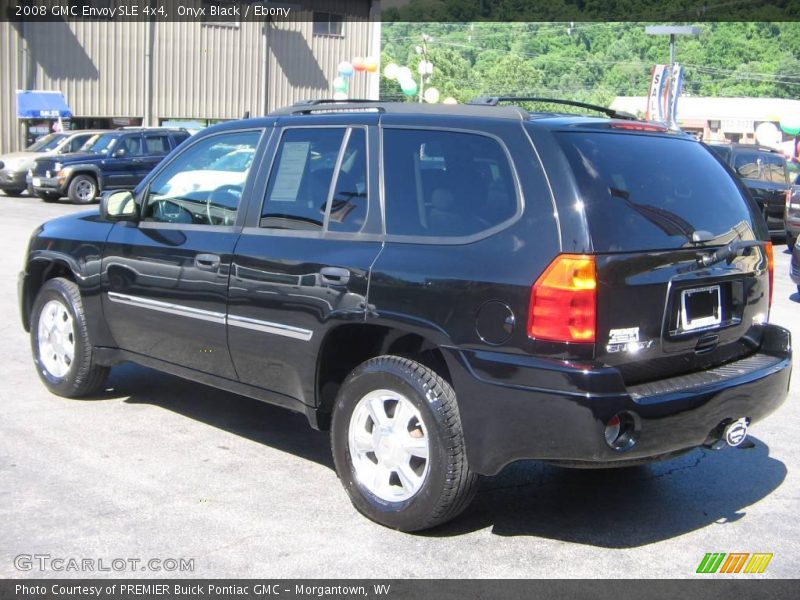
113 73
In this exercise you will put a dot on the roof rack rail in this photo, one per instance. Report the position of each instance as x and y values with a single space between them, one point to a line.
328 105
334 101
495 100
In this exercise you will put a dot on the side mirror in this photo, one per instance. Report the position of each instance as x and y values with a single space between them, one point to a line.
119 153
118 206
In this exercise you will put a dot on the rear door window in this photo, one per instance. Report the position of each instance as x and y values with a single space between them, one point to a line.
297 193
642 192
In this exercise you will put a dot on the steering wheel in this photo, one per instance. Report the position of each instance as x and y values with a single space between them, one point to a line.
168 211
227 196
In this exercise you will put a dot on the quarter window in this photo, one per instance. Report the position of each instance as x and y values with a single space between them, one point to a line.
157 144
204 184
300 181
445 183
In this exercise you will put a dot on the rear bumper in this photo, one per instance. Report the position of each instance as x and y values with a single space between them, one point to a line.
518 407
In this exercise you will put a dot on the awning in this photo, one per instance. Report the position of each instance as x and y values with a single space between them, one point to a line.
41 105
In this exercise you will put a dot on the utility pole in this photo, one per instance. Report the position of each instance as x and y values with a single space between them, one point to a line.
423 50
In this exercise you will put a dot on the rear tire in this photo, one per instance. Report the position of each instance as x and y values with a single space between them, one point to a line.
49 197
62 350
14 192
790 241
410 473
82 189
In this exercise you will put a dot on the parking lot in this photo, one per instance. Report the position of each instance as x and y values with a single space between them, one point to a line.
159 467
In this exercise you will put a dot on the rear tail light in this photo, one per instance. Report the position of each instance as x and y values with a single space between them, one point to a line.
770 268
563 305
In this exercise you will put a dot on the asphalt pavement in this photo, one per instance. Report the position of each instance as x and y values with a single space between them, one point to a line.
163 468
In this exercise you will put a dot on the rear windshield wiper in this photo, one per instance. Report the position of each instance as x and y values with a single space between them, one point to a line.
728 253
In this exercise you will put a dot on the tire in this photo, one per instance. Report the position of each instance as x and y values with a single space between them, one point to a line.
437 488
82 189
790 241
49 196
14 192
69 377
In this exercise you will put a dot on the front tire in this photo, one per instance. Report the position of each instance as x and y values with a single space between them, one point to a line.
398 446
790 241
49 196
82 189
14 192
62 350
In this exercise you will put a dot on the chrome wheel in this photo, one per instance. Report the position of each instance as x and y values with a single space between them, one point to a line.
56 337
84 190
389 445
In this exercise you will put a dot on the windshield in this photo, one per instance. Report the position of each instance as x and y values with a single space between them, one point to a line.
47 143
101 143
650 192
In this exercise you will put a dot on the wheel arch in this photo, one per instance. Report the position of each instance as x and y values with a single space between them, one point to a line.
38 272
350 344
90 170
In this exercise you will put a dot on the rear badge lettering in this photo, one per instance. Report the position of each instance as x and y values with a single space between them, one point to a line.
626 340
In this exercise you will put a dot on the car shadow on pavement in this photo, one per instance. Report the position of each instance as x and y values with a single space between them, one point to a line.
612 508
252 419
622 508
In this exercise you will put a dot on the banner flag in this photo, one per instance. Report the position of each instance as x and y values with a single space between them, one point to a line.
655 104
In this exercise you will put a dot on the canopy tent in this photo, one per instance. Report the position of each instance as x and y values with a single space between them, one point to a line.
37 104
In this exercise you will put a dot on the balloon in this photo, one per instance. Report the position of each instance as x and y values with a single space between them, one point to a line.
340 84
404 73
390 71
358 63
409 87
449 100
791 124
345 69
340 95
431 95
767 134
371 64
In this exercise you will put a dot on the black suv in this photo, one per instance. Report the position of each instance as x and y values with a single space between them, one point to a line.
447 288
763 171
112 160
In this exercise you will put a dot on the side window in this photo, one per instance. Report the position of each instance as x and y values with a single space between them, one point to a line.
445 183
77 142
747 165
349 206
180 137
203 184
156 144
297 192
775 169
132 144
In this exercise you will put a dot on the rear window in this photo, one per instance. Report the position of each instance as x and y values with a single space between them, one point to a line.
650 192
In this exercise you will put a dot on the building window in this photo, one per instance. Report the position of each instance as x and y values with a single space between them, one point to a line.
328 23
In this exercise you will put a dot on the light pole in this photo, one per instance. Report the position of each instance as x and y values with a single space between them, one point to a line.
672 31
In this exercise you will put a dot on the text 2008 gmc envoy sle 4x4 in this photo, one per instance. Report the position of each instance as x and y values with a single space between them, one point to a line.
447 288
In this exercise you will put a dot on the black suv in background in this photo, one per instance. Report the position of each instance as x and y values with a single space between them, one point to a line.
112 160
447 288
763 170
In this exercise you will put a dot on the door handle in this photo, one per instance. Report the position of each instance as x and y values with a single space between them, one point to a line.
334 276
207 262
